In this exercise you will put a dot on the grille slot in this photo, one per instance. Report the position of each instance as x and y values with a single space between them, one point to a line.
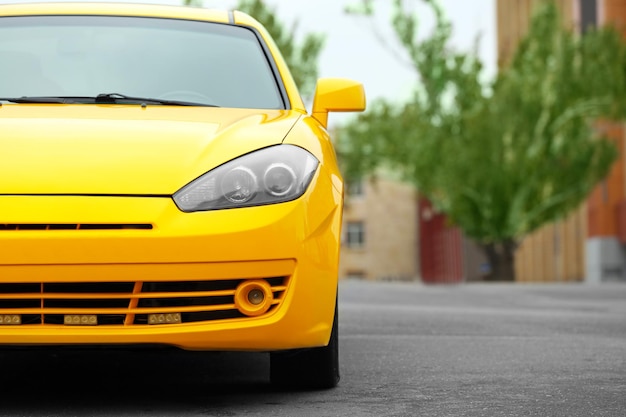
128 303
74 226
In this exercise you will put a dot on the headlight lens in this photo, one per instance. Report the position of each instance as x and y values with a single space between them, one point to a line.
271 175
279 179
239 185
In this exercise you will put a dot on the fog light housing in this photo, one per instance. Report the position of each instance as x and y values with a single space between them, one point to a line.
164 318
253 298
80 320
10 319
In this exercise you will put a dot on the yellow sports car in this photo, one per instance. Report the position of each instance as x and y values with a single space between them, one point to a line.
163 183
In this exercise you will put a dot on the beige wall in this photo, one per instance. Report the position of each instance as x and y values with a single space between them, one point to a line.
388 210
513 18
555 252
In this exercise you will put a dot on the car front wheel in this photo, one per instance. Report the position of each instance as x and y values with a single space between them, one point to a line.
314 368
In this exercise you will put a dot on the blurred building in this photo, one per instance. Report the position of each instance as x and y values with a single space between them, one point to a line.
380 231
590 243
390 233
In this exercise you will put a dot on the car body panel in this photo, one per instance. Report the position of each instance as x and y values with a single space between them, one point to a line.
107 149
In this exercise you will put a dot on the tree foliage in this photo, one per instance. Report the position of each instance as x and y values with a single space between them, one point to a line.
193 3
301 56
503 159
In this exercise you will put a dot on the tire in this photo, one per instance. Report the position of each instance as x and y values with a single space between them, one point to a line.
314 368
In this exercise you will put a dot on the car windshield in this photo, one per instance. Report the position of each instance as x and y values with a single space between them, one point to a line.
170 59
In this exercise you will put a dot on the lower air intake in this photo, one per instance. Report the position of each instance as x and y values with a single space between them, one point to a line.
128 303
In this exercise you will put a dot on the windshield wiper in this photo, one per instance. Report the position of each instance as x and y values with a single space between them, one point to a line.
109 98
116 98
37 99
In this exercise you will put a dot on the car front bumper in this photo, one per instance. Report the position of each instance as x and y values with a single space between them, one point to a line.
124 259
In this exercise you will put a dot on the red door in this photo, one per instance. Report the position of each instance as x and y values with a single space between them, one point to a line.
441 255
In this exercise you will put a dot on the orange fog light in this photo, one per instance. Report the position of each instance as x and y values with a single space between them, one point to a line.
253 298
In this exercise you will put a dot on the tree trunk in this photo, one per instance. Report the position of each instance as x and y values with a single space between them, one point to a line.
501 258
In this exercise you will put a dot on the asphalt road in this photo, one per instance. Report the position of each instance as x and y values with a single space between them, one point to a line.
406 350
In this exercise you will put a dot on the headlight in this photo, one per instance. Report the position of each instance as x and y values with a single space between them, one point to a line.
271 175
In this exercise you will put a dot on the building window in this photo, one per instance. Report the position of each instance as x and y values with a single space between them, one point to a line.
355 275
355 234
588 14
355 188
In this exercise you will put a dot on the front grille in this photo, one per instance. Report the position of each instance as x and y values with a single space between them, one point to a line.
74 226
127 303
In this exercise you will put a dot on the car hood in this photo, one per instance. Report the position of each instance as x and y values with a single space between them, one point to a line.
125 150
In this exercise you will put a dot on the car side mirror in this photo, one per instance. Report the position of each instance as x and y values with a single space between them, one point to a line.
337 94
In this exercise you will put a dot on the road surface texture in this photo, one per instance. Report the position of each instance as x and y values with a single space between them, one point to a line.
406 350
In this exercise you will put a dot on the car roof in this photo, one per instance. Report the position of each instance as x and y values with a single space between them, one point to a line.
125 9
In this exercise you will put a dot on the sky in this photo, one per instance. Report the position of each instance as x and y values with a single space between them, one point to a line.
365 49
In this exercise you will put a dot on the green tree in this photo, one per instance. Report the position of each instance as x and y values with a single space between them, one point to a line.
193 3
503 159
301 57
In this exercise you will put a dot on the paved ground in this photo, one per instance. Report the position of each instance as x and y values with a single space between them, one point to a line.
489 350
406 350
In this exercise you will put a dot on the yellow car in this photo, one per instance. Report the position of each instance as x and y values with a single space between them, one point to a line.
162 183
